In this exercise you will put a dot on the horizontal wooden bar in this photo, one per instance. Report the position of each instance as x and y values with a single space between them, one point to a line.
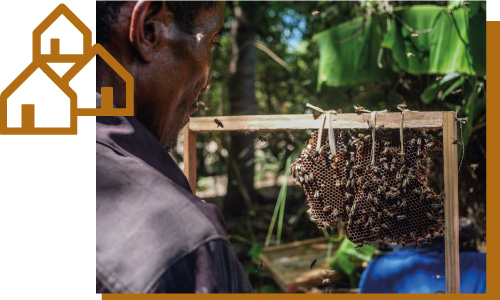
412 119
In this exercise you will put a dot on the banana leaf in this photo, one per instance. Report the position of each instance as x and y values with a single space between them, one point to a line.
349 52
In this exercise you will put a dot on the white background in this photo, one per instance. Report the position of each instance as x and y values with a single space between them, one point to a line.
47 183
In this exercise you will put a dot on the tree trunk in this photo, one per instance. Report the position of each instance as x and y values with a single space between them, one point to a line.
240 189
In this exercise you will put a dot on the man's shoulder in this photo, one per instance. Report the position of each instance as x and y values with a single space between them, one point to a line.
144 222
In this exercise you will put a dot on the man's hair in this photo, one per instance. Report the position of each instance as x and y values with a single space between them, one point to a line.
184 13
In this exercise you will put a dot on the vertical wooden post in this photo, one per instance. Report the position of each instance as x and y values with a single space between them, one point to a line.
450 152
190 157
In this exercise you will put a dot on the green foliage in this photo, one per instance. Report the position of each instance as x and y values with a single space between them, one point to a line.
349 260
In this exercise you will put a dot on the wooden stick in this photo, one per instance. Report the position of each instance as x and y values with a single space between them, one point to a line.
190 157
451 239
413 119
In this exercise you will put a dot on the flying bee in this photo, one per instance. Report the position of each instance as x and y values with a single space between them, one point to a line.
409 54
438 277
313 264
315 13
414 35
263 138
219 123
326 208
401 217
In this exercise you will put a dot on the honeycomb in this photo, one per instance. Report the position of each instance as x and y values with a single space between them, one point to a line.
389 200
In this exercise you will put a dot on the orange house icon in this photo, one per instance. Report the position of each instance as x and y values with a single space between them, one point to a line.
41 62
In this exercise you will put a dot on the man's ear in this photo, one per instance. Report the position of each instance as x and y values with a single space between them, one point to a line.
144 32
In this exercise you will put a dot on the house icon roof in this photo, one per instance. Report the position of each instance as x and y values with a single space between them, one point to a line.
55 56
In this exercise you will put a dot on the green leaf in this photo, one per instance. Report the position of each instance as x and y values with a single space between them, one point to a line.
432 91
349 52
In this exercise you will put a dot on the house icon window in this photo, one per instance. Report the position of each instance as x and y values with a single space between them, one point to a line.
41 63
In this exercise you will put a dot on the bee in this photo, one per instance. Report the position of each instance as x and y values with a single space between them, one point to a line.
429 215
437 205
359 109
403 203
375 229
356 167
414 35
374 209
313 264
337 183
348 195
326 281
313 218
409 54
449 12
385 151
466 3
393 167
374 168
384 226
369 197
348 182
386 166
375 200
429 145
343 181
393 189
474 166
315 13
402 106
219 123
401 217
335 165
326 224
261 265
382 159
398 177
306 178
403 169
379 216
405 182
316 194
365 185
311 176
335 212
412 234
321 149
417 191
370 221
326 208
327 272
438 277
263 139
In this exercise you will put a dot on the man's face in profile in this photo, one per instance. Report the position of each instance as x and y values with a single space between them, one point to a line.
177 72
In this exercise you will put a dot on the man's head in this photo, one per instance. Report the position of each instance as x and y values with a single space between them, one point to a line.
167 47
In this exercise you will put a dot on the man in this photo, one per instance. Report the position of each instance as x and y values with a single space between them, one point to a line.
153 234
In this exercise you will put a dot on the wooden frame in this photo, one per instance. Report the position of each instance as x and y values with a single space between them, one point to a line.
412 119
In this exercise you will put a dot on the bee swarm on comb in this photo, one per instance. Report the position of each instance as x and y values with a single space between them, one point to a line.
389 200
